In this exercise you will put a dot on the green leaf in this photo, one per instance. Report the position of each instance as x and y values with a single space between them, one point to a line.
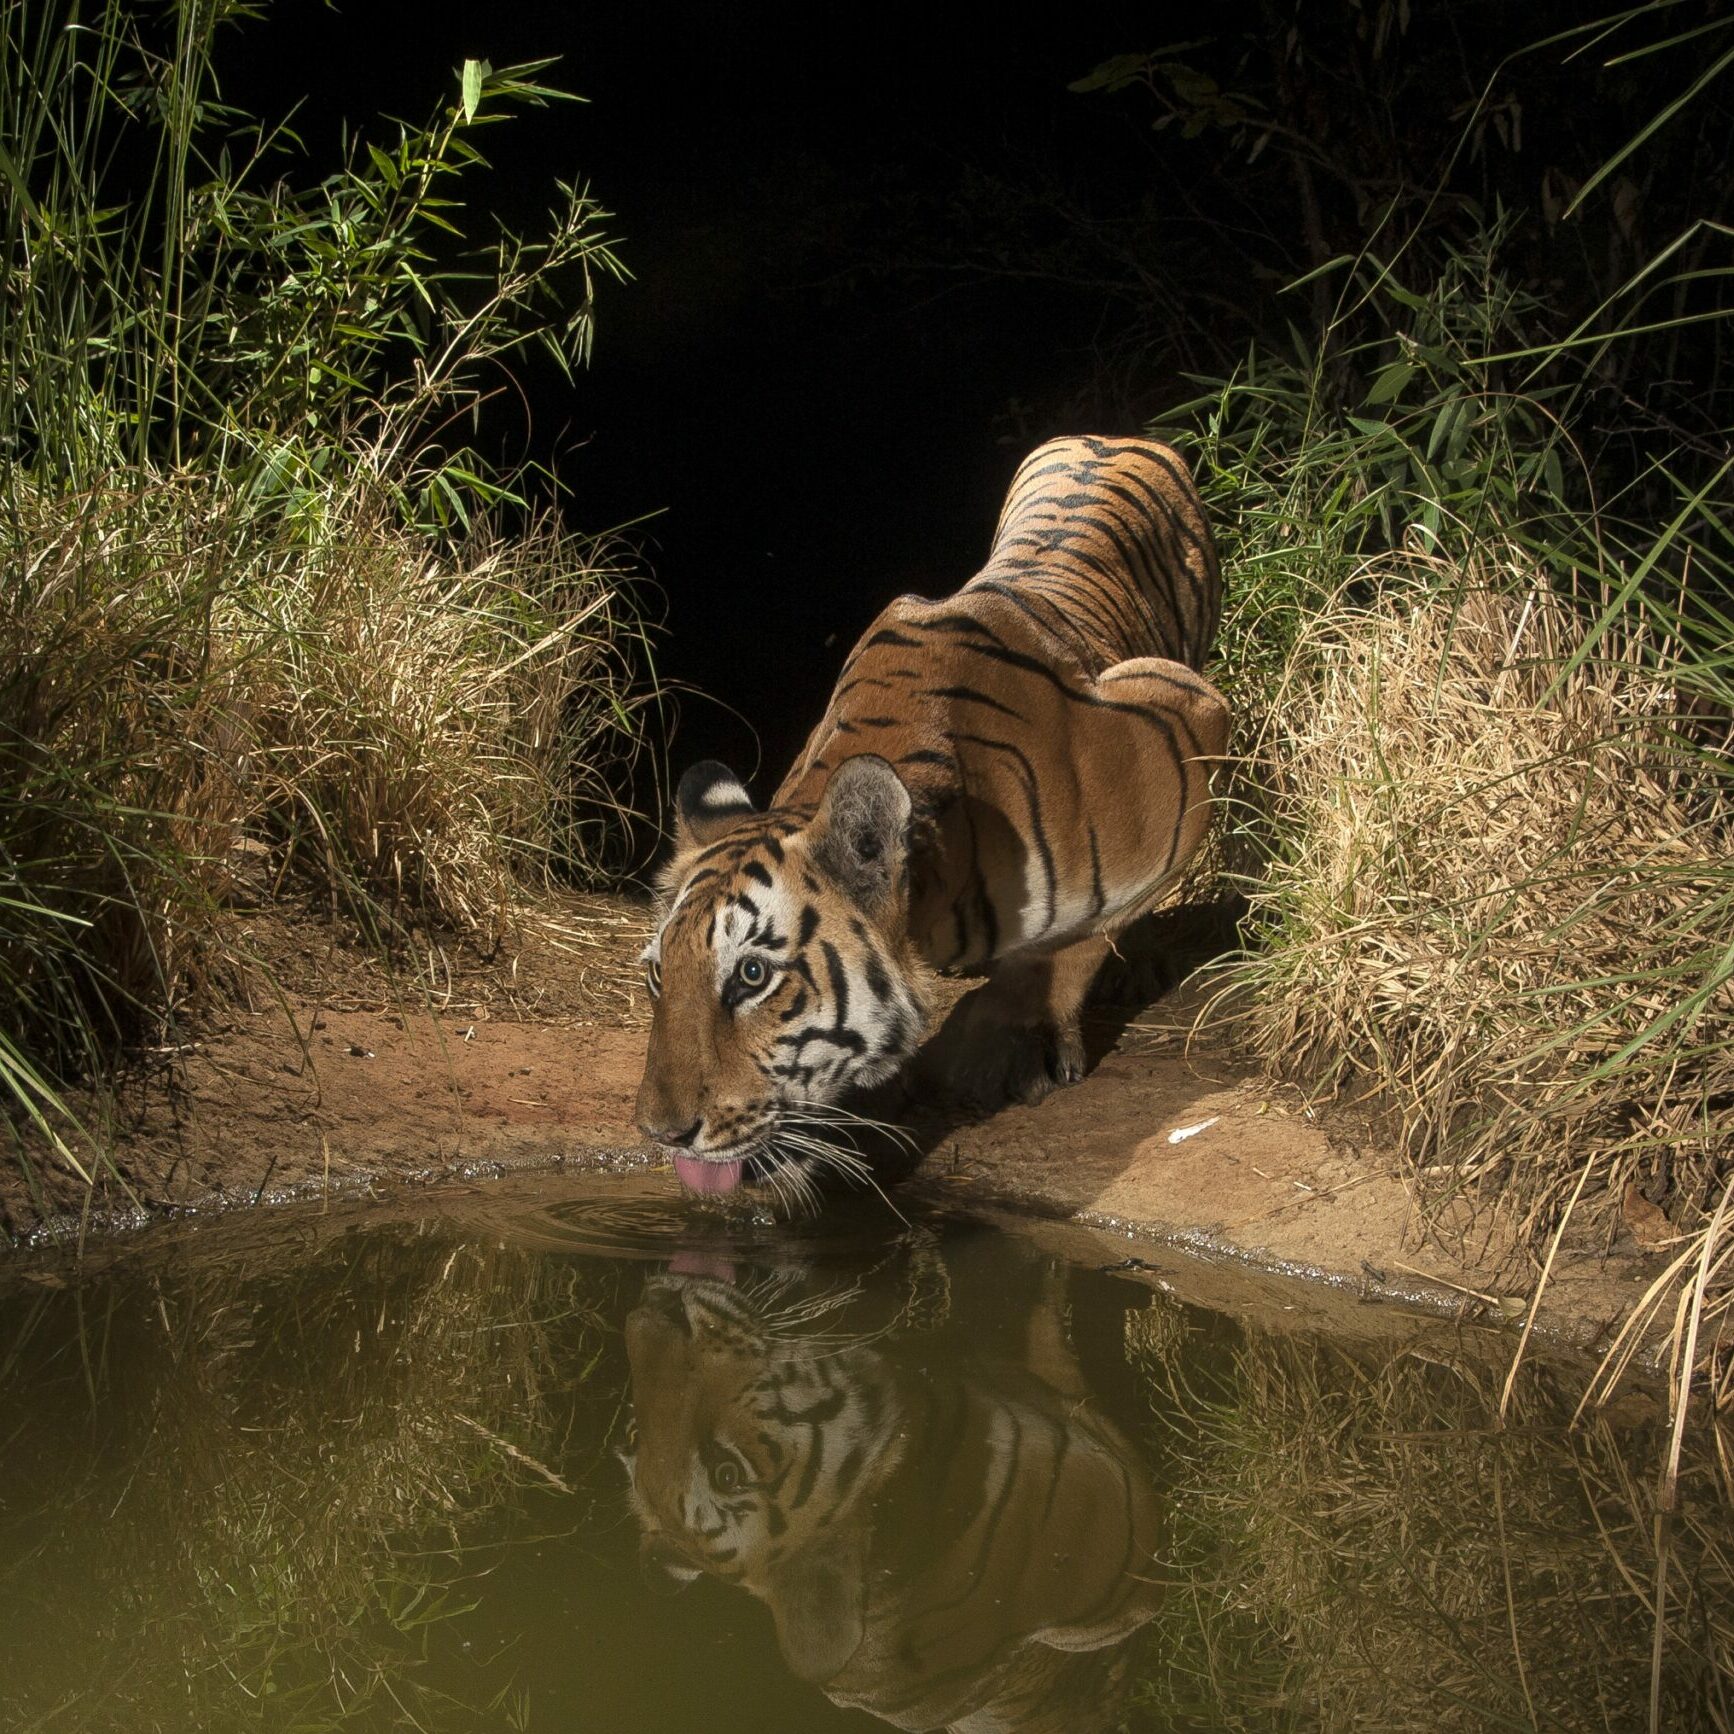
1112 74
1661 543
1189 83
1443 425
474 72
1655 123
1404 297
1554 472
1389 385
9 170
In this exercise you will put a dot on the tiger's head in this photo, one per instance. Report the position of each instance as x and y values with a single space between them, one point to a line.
755 1458
782 974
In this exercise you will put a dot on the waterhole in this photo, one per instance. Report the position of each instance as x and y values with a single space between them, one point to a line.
607 1460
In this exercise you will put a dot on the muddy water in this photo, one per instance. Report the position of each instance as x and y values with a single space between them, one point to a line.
612 1462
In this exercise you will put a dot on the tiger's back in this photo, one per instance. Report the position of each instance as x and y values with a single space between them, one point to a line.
1102 555
1048 719
1105 543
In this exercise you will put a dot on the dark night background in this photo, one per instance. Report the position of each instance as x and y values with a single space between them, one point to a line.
877 259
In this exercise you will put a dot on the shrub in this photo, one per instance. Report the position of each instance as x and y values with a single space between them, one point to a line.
1483 803
257 595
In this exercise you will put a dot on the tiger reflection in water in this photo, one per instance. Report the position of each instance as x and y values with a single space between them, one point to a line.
962 1549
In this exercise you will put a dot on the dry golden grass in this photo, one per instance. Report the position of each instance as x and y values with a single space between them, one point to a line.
1497 903
431 728
423 734
1499 897
250 587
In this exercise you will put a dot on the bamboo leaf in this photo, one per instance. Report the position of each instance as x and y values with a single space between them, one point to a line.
1634 579
1651 128
1390 382
474 71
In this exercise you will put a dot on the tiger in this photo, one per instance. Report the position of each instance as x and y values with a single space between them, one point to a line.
937 1547
1003 780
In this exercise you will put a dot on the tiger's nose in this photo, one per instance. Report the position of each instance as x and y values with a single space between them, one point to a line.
667 1135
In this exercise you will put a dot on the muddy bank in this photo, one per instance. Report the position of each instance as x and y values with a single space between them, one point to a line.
338 1082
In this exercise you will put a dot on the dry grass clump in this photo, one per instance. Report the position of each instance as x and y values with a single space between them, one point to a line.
1499 899
256 590
438 728
117 796
181 671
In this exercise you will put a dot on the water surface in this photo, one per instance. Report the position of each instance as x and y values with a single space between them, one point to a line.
613 1461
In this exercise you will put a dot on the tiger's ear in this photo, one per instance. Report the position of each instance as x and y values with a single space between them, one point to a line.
709 799
860 834
819 1605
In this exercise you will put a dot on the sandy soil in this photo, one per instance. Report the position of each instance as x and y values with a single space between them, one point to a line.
315 1071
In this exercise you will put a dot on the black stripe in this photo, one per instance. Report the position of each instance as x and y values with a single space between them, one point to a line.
974 695
839 979
847 1470
1032 794
877 982
989 916
810 1472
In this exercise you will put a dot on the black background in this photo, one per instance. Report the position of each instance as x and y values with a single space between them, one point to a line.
814 391
795 441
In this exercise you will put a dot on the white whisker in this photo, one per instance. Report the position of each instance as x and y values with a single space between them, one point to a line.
834 1114
848 1163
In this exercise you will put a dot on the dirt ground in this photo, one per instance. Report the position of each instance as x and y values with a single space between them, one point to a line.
313 1070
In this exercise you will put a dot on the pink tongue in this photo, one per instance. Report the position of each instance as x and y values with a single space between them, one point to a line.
697 1175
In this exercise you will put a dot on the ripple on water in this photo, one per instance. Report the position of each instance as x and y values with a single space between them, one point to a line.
649 1218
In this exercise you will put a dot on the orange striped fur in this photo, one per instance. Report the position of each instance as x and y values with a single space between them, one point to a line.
1004 779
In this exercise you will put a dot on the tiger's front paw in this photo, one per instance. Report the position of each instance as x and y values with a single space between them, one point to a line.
981 1060
1045 1057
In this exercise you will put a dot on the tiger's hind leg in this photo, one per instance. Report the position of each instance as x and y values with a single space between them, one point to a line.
1017 1036
1125 806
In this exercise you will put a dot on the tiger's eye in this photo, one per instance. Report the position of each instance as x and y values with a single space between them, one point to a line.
726 1477
752 972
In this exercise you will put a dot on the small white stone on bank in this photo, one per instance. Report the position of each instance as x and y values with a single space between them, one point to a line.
1183 1132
